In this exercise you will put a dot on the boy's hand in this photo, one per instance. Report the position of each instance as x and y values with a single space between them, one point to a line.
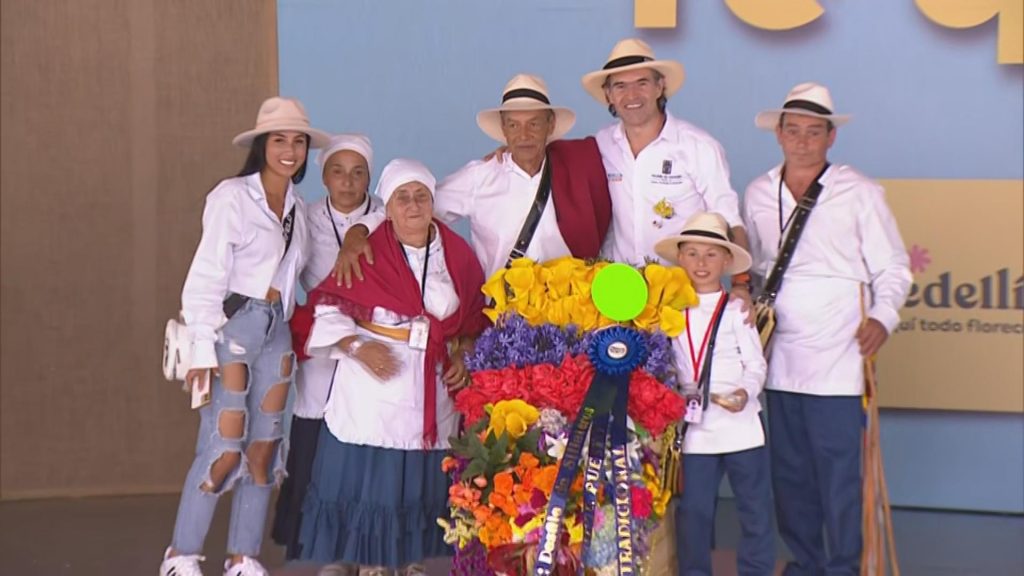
734 402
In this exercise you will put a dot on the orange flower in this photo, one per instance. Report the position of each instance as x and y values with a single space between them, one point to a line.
524 490
463 496
481 513
448 464
527 460
545 477
503 483
577 485
501 496
496 531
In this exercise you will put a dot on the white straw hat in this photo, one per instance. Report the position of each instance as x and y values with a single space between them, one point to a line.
633 54
524 92
807 99
705 228
282 115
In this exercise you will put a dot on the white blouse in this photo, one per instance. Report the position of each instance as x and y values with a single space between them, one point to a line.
327 227
737 364
363 410
240 251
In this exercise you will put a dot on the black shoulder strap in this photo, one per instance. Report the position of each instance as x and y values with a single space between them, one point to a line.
533 218
796 228
705 372
288 226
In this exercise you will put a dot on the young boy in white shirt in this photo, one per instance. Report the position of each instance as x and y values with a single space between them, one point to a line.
720 360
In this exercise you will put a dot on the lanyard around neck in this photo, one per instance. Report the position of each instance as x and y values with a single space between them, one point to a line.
330 216
782 227
423 279
697 356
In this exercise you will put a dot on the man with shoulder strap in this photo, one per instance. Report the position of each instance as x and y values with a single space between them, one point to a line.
542 198
660 169
837 300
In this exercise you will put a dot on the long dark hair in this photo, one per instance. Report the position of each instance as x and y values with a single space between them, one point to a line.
257 158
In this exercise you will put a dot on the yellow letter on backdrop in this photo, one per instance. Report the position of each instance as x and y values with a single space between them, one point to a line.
776 14
970 13
654 13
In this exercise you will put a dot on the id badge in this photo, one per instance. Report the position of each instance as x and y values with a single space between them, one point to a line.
694 409
419 333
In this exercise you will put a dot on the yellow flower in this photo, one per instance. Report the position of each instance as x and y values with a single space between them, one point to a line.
522 263
647 319
556 313
672 322
657 277
558 275
520 280
664 209
513 417
495 290
493 314
575 530
519 533
679 293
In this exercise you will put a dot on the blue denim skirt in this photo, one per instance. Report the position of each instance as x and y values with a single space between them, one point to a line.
373 506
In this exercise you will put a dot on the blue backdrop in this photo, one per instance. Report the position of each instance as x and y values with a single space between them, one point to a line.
928 102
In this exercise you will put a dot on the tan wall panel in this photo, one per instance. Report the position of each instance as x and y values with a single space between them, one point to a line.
117 117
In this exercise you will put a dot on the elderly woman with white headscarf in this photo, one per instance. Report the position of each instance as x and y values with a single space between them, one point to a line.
345 162
398 339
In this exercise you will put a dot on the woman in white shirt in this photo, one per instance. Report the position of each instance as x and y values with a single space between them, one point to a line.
236 301
346 163
398 339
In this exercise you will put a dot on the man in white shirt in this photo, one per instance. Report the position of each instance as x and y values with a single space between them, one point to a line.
661 170
839 301
497 195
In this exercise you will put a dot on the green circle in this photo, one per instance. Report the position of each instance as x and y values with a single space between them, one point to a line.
619 291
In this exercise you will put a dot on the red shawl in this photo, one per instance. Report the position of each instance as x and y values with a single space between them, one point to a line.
390 284
579 189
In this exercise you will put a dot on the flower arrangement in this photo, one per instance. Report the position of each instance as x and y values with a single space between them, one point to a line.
557 292
530 374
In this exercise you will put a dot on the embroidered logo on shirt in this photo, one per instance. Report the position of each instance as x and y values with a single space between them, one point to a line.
614 177
666 167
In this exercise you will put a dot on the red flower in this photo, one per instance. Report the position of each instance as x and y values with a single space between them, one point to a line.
651 404
642 501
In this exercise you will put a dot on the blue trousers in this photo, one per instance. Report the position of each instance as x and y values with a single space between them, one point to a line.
257 336
816 474
695 511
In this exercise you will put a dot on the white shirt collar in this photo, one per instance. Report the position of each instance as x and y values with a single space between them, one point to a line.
511 166
620 131
254 186
356 212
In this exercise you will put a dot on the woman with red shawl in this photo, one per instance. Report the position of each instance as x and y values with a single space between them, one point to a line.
399 340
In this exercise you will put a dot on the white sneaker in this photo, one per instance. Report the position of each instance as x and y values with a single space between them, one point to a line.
186 565
247 567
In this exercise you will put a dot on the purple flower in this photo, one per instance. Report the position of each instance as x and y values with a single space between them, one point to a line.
513 342
471 560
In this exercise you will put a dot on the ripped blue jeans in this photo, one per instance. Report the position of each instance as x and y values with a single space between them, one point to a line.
258 338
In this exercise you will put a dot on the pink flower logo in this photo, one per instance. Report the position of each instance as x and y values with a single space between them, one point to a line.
919 259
